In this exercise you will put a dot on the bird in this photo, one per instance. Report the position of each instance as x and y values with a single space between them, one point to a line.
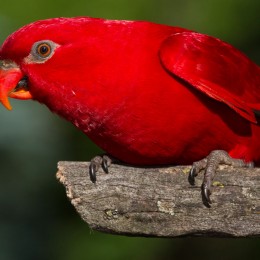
148 94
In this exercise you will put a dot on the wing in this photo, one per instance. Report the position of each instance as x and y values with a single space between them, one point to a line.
215 68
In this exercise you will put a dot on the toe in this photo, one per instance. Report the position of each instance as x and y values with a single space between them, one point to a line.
192 175
92 172
106 162
205 191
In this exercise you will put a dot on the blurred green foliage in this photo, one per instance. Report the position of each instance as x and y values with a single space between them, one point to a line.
36 219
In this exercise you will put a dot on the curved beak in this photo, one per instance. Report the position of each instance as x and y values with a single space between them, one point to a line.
12 83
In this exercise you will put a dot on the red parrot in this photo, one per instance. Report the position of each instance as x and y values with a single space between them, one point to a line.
146 93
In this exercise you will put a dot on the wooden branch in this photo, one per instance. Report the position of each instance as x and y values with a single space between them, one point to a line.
160 202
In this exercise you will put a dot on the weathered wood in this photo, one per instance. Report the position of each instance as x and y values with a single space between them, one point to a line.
160 202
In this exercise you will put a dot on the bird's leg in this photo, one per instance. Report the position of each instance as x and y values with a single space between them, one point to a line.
103 161
210 165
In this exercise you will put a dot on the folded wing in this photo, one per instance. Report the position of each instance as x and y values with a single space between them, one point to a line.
215 68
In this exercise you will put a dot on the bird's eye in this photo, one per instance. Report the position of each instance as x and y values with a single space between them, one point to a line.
43 49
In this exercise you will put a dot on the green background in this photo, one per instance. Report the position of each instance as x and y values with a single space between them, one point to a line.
36 219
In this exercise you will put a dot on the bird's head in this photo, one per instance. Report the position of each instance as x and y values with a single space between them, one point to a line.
43 58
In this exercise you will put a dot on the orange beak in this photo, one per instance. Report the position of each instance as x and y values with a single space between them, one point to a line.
12 83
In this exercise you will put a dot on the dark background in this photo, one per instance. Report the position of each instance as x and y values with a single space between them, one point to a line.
36 219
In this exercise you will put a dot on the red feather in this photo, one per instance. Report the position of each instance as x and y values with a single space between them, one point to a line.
215 68
141 90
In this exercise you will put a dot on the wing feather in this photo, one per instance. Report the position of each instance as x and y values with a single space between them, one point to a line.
215 68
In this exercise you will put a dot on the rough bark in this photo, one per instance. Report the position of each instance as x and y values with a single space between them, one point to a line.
160 202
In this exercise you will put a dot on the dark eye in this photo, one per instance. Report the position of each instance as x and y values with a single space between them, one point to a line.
43 50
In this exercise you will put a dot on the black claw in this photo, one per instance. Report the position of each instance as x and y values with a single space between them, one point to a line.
206 195
192 175
92 172
103 161
105 165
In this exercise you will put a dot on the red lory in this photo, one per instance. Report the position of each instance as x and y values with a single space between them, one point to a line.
146 93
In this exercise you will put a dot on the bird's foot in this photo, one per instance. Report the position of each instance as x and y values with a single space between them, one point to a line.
103 161
210 165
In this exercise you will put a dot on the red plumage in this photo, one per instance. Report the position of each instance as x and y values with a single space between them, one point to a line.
145 93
